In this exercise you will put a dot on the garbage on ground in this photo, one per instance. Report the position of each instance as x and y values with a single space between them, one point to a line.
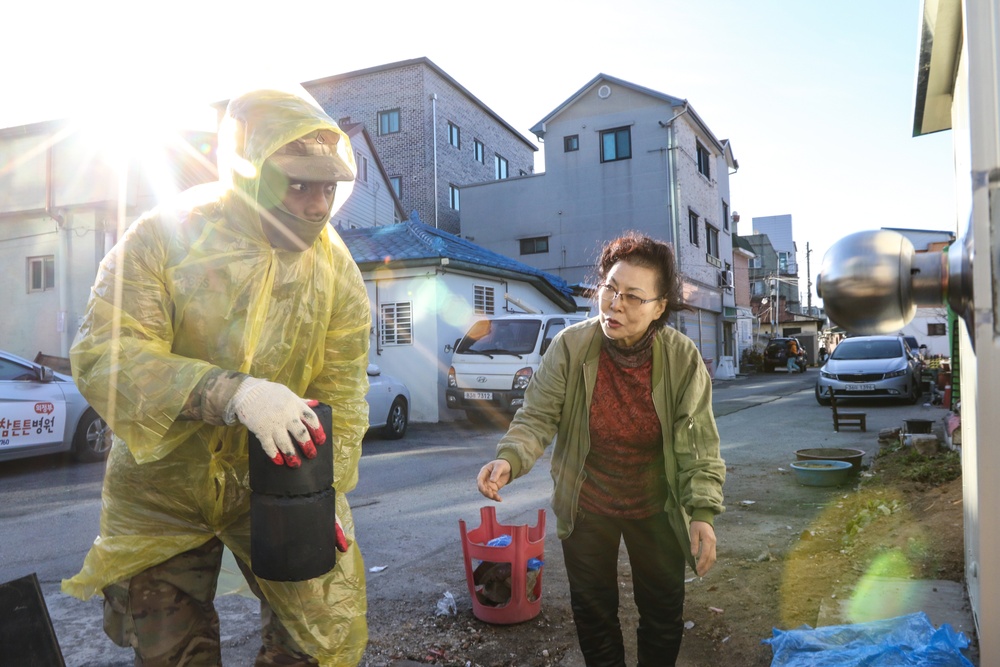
492 580
377 568
889 433
904 641
446 605
925 444
953 430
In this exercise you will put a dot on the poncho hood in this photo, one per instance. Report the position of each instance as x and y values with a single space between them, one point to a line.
257 124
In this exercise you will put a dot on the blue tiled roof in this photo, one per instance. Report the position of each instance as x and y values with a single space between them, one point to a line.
414 242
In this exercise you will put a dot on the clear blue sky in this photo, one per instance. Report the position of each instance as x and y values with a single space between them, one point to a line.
816 97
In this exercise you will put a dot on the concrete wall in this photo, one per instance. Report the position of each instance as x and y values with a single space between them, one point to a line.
741 279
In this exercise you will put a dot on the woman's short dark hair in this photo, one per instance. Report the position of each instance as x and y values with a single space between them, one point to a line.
641 250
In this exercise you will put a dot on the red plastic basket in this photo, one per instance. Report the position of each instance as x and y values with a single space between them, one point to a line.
527 542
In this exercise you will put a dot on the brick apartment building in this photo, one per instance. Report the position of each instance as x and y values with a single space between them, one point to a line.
432 135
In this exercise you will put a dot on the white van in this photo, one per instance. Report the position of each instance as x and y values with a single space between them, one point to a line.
495 360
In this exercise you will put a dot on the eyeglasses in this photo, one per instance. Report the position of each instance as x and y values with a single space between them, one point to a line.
608 294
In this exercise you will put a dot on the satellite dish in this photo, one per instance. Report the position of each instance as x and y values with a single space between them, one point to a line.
604 92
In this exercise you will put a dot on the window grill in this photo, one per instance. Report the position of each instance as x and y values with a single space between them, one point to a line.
483 300
397 323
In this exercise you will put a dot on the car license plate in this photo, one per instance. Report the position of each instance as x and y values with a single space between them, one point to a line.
860 387
479 395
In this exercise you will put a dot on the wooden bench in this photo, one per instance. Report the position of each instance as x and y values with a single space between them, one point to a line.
846 418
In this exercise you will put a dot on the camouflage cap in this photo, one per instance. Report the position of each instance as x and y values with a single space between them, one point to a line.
313 157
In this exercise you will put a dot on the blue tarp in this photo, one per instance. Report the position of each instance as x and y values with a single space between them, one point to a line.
904 641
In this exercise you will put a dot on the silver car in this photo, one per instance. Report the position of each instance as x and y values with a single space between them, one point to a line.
42 412
870 367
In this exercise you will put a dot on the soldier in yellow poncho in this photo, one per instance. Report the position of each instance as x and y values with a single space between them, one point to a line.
212 318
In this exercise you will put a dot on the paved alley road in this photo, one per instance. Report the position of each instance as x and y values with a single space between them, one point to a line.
406 508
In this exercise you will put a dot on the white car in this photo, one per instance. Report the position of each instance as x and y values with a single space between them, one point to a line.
42 412
388 404
870 367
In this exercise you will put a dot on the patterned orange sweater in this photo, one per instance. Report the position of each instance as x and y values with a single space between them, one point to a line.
625 468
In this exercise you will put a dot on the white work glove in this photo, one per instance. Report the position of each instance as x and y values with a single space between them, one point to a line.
276 416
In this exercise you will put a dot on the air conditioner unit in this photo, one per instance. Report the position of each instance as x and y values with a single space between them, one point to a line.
726 280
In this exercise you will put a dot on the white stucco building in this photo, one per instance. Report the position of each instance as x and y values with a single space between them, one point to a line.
426 288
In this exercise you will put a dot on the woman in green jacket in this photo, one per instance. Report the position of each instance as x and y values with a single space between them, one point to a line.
636 453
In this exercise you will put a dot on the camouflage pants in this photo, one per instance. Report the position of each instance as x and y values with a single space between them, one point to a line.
166 614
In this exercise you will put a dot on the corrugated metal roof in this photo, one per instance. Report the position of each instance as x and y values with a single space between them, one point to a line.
414 243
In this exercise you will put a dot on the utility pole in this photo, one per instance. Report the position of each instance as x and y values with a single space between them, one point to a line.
809 282
774 304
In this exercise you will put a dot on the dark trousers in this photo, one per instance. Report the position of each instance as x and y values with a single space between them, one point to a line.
657 562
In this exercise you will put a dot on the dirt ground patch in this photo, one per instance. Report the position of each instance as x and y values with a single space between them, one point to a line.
903 518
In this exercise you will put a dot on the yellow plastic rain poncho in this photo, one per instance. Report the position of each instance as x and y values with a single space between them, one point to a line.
189 291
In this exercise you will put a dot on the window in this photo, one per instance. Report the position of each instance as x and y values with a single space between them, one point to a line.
712 240
758 287
783 261
937 329
704 160
616 144
692 227
388 121
725 216
362 164
499 167
41 273
14 372
397 185
551 329
480 152
482 300
397 323
454 135
571 143
534 246
755 262
453 196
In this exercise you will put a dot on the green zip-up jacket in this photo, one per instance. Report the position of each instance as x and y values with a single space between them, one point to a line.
557 403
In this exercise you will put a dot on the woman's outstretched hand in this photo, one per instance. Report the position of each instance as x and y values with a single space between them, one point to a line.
703 546
492 477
